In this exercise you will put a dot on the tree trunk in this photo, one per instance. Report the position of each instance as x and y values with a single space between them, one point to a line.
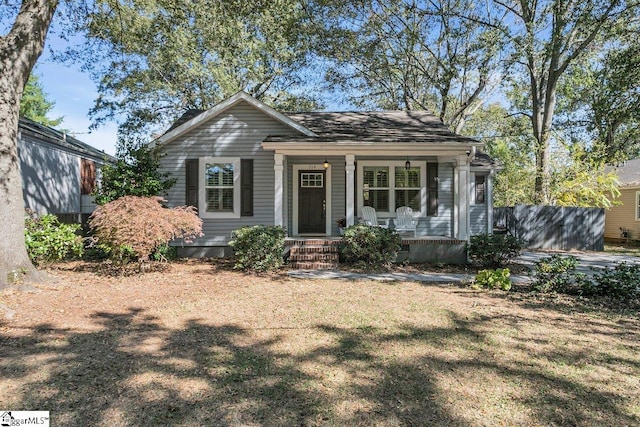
19 51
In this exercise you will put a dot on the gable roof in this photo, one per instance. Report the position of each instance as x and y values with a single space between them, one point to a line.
628 172
194 118
61 139
408 127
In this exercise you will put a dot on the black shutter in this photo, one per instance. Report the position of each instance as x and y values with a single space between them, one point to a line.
246 187
192 181
432 189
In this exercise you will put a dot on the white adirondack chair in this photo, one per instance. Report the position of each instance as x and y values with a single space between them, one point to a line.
369 217
405 222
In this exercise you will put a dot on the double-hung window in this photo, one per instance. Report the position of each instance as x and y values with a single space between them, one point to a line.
480 187
637 205
386 186
220 194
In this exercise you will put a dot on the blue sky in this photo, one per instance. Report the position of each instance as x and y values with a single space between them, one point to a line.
73 93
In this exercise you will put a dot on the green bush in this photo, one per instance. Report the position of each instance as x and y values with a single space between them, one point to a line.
558 274
47 240
370 247
258 248
622 282
164 252
494 250
493 279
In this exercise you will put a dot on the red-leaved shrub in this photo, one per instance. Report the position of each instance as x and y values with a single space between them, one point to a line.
142 223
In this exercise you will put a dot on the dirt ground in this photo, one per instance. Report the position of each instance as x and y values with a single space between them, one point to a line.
197 344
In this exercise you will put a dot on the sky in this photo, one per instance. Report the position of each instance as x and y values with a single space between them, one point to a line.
73 93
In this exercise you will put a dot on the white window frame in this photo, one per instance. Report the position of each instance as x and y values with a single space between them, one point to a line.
392 182
637 207
473 188
202 196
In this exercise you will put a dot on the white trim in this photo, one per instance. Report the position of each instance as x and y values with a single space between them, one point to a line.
350 179
202 191
489 198
331 148
463 197
392 195
278 197
318 167
223 106
472 187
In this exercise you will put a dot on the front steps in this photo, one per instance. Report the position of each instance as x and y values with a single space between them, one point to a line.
313 254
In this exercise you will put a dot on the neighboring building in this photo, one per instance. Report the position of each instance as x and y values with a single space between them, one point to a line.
59 172
243 163
625 217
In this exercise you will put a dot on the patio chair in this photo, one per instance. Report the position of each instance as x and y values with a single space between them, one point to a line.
405 222
369 217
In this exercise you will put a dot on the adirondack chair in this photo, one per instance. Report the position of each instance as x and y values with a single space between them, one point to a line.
405 221
369 217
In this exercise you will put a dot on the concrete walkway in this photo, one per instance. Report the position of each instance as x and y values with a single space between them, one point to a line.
586 260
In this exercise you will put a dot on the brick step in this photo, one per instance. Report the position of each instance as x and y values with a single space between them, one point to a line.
314 242
324 257
314 265
312 249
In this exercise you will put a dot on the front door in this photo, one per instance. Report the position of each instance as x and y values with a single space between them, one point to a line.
311 202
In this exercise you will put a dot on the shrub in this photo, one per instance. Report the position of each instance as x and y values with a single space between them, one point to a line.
135 173
47 240
140 225
622 281
494 250
258 248
370 247
558 274
493 279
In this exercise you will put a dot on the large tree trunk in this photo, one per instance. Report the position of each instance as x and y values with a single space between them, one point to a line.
19 50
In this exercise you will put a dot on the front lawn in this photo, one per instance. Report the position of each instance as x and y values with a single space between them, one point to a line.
201 345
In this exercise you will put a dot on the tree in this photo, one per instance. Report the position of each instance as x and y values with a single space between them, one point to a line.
34 104
165 57
408 54
135 173
547 38
20 47
508 140
613 103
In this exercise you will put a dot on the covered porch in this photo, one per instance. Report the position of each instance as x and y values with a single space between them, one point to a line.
316 194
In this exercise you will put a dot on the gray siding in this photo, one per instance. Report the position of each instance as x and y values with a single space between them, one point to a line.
237 132
441 225
50 177
478 219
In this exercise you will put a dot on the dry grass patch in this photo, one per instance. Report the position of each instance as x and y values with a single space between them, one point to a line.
202 345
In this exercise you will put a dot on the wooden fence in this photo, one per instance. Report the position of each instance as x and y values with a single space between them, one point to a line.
553 227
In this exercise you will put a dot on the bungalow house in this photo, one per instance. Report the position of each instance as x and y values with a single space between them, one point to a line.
58 171
623 221
243 163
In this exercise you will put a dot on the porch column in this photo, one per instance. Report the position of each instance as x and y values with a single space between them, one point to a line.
278 196
350 169
463 196
490 202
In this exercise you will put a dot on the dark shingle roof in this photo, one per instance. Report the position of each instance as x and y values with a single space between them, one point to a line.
188 115
628 172
482 160
61 138
376 126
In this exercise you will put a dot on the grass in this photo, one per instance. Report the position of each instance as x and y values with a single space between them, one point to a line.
198 346
623 248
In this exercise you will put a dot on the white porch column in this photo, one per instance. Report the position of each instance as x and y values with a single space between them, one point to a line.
463 196
350 169
490 202
278 196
